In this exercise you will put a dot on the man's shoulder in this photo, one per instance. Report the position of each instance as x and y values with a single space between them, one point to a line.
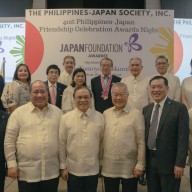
108 111
173 102
55 109
174 77
61 85
116 78
96 78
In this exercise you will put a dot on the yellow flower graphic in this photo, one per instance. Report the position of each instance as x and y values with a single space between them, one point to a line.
166 49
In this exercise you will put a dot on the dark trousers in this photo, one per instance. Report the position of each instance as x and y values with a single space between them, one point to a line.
41 186
2 175
190 177
113 184
160 182
82 183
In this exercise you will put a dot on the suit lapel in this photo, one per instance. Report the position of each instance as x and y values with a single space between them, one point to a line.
164 114
58 93
148 119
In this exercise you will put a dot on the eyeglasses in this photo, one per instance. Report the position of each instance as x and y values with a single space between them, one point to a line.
83 97
54 72
161 63
119 94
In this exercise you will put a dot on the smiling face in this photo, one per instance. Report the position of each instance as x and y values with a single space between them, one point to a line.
79 78
82 99
22 73
119 97
69 64
39 95
161 66
135 67
158 90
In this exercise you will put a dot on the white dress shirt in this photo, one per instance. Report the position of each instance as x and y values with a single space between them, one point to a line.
79 142
65 78
123 142
31 142
187 90
138 91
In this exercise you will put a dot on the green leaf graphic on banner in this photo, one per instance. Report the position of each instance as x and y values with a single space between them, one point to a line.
18 51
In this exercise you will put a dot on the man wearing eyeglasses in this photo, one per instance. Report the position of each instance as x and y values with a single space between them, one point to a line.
80 135
162 67
123 143
56 89
101 85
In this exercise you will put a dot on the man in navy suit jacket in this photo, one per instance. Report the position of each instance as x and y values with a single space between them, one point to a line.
3 123
101 86
167 146
53 73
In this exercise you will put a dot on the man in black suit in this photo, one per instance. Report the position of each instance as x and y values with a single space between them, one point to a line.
2 84
54 97
101 86
167 133
3 123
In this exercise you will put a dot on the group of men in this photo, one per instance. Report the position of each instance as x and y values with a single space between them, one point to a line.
142 128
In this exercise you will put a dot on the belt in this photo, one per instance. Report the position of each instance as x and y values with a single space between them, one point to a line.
152 153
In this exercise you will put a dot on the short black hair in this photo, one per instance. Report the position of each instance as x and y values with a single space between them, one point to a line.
52 66
159 77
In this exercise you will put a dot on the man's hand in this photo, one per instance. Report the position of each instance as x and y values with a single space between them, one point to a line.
64 174
138 172
13 172
178 171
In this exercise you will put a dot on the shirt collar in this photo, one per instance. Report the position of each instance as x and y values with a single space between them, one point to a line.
165 75
49 84
161 103
67 74
105 76
126 109
137 78
80 113
33 108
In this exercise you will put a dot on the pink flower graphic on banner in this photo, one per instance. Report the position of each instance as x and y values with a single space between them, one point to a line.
133 44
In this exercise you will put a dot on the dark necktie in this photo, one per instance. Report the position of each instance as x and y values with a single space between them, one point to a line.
153 129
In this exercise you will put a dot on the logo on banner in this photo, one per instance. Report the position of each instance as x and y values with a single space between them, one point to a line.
133 44
1 49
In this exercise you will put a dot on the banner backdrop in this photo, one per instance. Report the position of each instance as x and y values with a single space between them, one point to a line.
91 34
183 44
12 43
